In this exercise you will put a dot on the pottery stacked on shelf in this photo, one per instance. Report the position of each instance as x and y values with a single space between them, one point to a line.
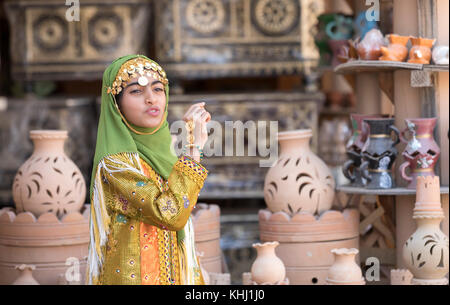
420 52
351 168
47 226
426 252
421 152
299 192
397 49
379 153
345 271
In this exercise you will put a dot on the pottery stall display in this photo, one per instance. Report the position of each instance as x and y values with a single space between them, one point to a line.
396 50
206 223
268 269
47 227
345 271
299 181
306 241
49 181
426 252
355 144
420 52
440 55
370 47
379 153
422 152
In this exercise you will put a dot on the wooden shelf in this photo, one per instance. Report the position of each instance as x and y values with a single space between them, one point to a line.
356 66
398 191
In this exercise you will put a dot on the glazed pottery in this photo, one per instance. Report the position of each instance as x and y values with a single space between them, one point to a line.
206 223
352 171
340 51
420 52
340 28
306 241
396 50
370 47
267 268
360 131
299 181
321 39
49 181
425 253
421 152
26 276
361 25
379 153
440 55
345 271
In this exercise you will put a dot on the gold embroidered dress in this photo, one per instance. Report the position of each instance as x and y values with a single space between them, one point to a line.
144 214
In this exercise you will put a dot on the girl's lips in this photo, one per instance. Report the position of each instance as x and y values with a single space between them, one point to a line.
153 111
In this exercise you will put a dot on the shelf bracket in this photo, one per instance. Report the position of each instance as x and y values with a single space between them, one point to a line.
386 83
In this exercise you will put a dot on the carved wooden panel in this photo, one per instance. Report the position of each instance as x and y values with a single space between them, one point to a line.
45 45
213 38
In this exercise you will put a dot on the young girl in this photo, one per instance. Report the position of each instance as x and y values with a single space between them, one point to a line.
142 195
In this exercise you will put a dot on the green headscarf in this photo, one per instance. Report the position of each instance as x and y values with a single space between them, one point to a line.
114 136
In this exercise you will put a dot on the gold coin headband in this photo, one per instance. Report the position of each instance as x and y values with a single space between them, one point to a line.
137 67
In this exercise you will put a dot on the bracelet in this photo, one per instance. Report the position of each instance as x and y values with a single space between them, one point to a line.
194 146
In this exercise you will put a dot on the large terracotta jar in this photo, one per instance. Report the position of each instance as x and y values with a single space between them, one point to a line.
421 152
396 50
267 268
345 271
49 181
426 252
299 181
420 52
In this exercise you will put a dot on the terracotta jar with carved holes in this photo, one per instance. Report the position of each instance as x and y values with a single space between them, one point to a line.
49 181
299 181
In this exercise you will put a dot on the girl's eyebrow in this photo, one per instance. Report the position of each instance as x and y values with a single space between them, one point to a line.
156 82
136 83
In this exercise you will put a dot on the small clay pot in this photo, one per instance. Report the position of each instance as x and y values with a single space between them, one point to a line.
345 271
440 55
420 52
267 268
26 276
397 50
370 47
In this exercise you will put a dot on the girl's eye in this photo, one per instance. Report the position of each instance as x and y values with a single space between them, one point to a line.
159 89
135 91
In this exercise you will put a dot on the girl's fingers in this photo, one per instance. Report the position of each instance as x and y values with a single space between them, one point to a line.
189 114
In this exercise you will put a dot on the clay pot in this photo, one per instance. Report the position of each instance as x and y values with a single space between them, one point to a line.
267 268
379 153
49 181
440 55
420 52
340 51
45 242
345 271
370 47
26 275
306 241
426 252
206 222
396 50
421 152
299 181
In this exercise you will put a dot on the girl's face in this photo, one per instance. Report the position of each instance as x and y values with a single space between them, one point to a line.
143 106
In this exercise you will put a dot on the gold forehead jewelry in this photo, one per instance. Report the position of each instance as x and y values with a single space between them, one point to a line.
135 67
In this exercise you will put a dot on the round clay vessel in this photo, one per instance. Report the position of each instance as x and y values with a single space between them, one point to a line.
396 50
299 181
426 252
370 47
420 52
440 55
49 181
345 271
267 268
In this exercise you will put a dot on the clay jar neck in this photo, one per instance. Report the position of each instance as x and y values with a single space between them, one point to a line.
347 258
424 126
397 39
48 141
292 141
266 250
429 224
422 42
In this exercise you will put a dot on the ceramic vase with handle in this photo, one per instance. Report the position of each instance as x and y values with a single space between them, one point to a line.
421 152
49 181
299 181
379 153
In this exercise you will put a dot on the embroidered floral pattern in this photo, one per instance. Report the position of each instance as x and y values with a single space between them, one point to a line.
169 207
